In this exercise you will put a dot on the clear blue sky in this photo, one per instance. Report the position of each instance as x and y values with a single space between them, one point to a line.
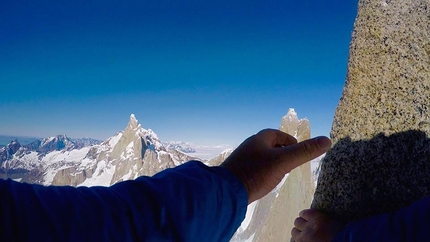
209 72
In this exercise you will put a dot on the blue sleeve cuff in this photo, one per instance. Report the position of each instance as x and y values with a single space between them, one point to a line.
213 201
236 184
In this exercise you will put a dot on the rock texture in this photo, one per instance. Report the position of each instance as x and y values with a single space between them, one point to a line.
380 159
220 158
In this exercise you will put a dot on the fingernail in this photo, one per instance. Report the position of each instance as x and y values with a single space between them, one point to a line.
324 143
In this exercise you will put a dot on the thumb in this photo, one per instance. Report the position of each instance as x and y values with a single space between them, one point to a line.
300 153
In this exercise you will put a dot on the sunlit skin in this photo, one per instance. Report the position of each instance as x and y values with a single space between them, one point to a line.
263 159
261 162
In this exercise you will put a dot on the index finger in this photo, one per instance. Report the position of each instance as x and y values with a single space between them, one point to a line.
277 137
300 153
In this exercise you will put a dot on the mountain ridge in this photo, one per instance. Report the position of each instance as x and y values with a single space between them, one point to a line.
60 160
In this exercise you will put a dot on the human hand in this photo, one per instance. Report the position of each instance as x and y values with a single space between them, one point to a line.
315 226
263 159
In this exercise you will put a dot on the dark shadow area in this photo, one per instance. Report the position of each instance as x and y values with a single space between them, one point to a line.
362 178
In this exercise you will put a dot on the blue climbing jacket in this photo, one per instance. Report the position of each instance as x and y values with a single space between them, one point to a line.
408 224
191 202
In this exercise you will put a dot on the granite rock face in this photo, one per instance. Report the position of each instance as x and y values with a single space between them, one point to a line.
380 158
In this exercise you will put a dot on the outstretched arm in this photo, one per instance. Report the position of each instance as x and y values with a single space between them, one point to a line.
187 203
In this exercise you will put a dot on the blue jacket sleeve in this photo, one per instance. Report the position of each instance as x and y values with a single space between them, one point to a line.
191 202
408 224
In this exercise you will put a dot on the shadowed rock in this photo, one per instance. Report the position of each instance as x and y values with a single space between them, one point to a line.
380 157
367 177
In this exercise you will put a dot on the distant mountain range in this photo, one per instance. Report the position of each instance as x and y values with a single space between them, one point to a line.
44 146
24 140
6 139
60 160
185 147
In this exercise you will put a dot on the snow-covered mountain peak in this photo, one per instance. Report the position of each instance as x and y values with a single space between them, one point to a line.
133 123
291 123
14 145
13 142
59 142
291 112
134 132
291 116
152 137
9 150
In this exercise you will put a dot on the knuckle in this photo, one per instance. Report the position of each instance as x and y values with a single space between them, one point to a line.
294 232
296 221
307 149
264 131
